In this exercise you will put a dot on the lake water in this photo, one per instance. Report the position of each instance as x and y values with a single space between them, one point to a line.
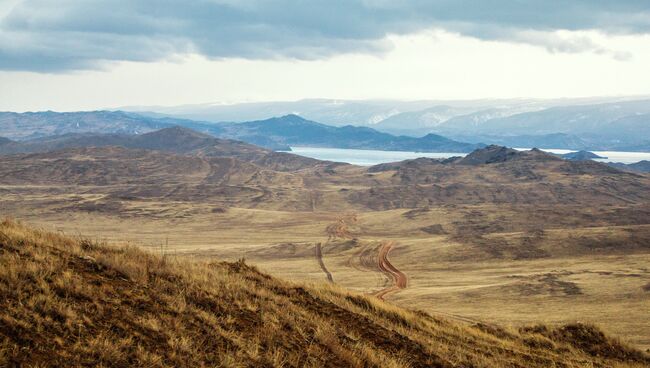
364 157
612 156
374 157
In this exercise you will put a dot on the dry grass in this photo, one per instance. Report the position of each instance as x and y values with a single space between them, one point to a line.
71 302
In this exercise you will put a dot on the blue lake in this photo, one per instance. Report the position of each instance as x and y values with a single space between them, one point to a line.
374 157
364 157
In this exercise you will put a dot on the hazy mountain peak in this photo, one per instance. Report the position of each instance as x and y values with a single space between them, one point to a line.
178 131
292 117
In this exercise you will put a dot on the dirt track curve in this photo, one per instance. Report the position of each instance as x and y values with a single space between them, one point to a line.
336 230
400 280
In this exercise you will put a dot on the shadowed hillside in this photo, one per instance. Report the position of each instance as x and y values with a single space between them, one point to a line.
67 301
174 139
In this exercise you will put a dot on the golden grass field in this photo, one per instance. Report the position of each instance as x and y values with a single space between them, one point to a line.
445 276
71 301
531 239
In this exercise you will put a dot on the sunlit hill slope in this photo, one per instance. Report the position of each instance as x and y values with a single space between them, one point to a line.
69 301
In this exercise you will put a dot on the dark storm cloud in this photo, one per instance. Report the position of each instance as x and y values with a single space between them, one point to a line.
45 35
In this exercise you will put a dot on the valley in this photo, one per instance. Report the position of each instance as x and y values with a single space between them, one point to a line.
325 184
498 236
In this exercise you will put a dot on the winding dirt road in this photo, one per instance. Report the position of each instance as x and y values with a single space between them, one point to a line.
340 230
400 280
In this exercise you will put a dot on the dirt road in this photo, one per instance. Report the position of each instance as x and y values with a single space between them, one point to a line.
319 257
334 231
400 280
340 228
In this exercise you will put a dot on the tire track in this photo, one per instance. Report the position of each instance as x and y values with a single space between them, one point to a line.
319 257
336 230
400 281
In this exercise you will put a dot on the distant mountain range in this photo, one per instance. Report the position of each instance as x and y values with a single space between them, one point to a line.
292 130
20 126
589 123
275 133
339 112
622 125
428 126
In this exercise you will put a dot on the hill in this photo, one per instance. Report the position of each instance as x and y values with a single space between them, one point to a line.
496 154
71 302
581 156
40 124
556 240
295 130
641 166
175 139
203 172
275 133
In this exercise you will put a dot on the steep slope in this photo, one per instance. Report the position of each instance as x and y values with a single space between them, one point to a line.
294 130
71 302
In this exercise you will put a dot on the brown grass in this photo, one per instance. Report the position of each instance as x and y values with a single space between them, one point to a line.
72 302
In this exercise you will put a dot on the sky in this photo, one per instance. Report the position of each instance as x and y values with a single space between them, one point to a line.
68 55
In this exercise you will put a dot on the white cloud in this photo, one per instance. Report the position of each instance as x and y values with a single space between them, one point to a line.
432 64
54 36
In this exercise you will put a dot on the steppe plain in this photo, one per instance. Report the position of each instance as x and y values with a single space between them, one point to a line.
497 237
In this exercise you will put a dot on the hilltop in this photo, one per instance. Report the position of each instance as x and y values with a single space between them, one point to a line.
70 301
581 156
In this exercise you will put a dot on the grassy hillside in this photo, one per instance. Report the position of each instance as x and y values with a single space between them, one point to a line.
67 302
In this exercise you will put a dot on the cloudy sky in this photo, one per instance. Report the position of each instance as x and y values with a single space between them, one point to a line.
89 54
